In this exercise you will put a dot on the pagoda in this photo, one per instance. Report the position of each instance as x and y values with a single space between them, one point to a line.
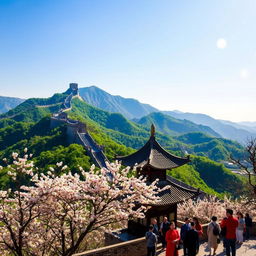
152 161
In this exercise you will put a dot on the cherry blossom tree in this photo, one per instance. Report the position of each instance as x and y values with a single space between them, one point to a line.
210 206
55 215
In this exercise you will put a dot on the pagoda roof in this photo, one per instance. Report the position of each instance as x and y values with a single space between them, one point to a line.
177 192
153 155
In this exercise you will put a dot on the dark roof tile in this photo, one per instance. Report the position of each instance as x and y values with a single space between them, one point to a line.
154 155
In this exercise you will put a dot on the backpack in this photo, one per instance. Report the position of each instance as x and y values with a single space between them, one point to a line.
215 230
223 231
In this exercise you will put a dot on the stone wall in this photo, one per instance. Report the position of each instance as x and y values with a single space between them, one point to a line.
136 247
73 127
111 239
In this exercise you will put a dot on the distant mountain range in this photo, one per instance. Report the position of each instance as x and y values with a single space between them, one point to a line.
173 126
133 109
142 114
226 129
7 103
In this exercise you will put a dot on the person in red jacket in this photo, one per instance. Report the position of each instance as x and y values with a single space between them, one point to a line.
172 238
198 227
230 223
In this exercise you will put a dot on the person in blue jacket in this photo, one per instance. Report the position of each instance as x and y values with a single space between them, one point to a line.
183 232
151 241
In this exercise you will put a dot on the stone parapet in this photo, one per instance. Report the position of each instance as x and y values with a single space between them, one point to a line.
136 247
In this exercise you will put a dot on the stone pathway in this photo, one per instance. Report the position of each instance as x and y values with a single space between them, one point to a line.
248 248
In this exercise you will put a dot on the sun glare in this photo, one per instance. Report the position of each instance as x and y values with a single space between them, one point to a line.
221 43
244 73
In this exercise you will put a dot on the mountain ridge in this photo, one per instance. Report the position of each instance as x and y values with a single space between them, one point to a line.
224 128
227 129
134 110
8 103
131 108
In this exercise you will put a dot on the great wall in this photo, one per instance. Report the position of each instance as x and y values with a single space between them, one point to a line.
77 131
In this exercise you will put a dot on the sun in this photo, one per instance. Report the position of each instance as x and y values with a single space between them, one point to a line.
221 43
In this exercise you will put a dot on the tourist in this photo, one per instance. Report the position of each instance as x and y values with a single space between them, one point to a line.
172 238
164 227
223 233
155 226
240 229
198 226
192 240
151 242
183 231
248 225
230 223
213 232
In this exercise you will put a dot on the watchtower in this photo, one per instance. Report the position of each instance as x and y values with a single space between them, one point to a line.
74 88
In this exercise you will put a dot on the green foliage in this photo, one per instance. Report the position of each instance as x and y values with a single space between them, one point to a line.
11 134
172 126
217 149
73 156
32 110
6 122
211 177
114 121
216 176
37 137
190 176
5 180
194 138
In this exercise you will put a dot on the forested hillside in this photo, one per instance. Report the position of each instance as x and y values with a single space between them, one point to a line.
32 110
28 125
210 177
172 126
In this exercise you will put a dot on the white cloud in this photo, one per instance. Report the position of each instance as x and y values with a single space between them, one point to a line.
221 43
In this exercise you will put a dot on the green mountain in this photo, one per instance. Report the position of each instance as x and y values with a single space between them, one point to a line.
32 110
210 177
28 125
130 108
172 126
218 149
133 109
7 103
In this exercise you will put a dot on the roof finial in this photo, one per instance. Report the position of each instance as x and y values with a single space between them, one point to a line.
153 130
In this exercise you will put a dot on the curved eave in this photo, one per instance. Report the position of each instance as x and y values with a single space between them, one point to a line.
175 194
169 204
160 203
137 157
153 155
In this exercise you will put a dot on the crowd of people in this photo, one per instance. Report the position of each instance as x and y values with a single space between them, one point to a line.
232 230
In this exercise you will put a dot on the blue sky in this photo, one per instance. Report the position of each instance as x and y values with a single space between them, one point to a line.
160 52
